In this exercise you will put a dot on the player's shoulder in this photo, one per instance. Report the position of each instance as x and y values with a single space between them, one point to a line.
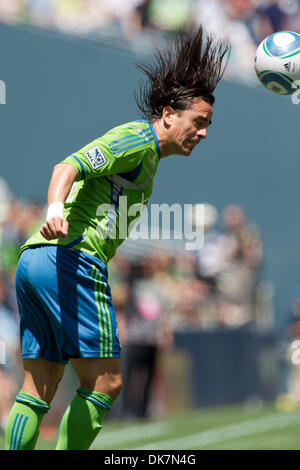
132 137
139 128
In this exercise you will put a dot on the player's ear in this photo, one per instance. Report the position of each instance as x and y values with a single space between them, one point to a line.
168 114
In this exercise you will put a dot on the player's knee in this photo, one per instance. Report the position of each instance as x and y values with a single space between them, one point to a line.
115 387
111 386
41 384
49 392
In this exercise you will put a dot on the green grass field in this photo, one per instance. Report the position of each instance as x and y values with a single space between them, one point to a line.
226 428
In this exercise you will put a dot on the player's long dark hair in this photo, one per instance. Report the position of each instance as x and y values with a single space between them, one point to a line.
190 67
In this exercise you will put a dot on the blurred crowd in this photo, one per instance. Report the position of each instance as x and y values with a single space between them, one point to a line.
289 398
244 22
155 296
160 295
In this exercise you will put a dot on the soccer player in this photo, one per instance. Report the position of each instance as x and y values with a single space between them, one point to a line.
64 299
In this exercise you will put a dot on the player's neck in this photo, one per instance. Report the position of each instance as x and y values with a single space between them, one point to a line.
166 147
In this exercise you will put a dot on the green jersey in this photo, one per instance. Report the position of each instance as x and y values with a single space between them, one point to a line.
114 182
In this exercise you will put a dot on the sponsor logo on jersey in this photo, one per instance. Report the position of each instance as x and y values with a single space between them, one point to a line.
95 157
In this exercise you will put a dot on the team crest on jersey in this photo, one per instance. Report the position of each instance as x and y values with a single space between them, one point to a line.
95 157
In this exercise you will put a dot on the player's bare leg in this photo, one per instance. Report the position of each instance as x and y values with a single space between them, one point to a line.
41 379
99 374
100 384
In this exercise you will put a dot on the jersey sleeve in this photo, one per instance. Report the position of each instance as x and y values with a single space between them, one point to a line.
111 154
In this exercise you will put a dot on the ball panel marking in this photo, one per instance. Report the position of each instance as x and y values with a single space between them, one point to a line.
283 39
278 45
277 83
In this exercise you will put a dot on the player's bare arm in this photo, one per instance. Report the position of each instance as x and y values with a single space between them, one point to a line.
62 179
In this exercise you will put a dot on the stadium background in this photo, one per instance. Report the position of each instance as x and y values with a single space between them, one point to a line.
64 89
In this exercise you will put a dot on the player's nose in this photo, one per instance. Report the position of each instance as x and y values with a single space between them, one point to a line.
202 133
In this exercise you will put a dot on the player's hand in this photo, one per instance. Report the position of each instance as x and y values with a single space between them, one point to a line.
56 227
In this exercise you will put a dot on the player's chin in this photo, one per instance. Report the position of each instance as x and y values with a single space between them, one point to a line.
186 151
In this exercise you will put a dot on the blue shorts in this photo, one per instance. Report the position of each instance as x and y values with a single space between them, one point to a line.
65 305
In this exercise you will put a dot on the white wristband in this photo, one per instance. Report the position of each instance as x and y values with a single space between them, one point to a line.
56 209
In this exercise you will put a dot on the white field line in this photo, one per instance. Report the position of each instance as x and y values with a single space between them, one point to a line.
130 434
225 433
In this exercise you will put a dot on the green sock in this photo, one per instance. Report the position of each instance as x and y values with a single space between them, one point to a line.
23 423
82 420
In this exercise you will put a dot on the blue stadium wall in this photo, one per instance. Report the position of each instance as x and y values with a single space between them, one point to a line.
63 92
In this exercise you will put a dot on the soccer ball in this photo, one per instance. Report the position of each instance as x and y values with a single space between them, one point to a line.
277 62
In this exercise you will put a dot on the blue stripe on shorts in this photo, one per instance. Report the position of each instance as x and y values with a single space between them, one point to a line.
65 305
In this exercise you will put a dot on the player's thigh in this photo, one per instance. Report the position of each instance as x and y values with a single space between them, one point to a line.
41 378
99 374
